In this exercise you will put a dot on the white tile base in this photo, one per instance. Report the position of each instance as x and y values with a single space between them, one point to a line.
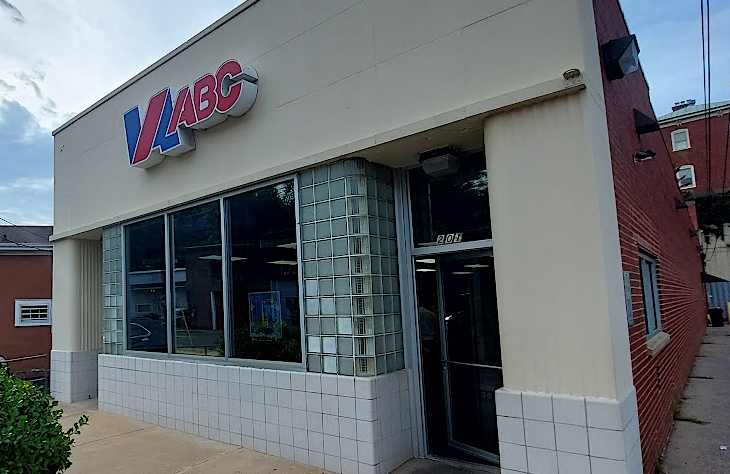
343 424
542 433
74 375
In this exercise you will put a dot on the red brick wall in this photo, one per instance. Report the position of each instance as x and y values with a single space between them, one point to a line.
24 277
645 202
697 153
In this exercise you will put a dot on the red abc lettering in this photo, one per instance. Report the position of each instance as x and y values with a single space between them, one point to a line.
229 88
205 97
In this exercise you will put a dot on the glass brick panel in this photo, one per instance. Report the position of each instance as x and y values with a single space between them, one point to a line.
112 289
348 225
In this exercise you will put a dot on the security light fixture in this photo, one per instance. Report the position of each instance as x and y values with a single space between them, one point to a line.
644 123
571 74
680 205
440 162
640 156
620 57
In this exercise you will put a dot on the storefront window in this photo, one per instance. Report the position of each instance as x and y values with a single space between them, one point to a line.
264 275
146 305
259 319
198 281
452 208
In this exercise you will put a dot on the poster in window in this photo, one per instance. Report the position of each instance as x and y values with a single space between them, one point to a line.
264 313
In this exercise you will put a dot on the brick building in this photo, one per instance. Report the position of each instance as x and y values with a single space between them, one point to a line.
702 175
26 264
436 231
686 131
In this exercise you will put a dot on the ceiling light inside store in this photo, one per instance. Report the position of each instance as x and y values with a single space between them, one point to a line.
476 265
461 273
284 262
211 257
425 269
292 245
219 258
426 260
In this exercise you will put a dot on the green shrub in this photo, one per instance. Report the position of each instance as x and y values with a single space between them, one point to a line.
32 440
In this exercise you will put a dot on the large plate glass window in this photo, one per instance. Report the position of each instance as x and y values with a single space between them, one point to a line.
264 275
451 208
198 280
146 305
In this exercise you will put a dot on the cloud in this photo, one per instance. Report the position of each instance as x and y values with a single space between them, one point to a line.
15 14
7 86
26 167
28 184
26 79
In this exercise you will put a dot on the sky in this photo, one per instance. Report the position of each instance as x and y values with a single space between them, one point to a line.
58 57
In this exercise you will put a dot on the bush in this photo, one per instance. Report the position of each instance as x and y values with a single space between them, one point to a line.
32 440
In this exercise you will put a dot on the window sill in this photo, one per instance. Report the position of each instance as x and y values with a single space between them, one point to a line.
657 343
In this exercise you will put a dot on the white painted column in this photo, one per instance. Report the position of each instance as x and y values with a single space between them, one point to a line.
77 312
569 399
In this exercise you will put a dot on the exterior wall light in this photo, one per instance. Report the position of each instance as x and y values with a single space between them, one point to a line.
640 156
644 124
440 162
620 57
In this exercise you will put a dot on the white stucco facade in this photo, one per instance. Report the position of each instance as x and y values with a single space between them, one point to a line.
385 81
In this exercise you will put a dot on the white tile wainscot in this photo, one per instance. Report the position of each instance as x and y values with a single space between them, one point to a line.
74 375
352 425
542 433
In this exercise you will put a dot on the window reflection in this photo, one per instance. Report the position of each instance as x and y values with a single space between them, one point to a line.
198 282
146 308
264 271
452 208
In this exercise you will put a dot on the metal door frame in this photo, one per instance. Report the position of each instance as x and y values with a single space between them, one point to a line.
407 252
445 362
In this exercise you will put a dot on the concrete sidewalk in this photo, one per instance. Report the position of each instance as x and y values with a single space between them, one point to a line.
703 424
112 444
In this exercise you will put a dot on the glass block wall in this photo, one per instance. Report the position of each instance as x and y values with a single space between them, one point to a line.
113 324
352 302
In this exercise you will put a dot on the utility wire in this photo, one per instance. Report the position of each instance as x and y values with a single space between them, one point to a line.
23 228
708 106
724 167
24 245
704 83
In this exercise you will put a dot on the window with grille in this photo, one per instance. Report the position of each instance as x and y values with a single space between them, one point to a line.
32 312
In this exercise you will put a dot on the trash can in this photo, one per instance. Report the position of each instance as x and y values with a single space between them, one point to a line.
716 317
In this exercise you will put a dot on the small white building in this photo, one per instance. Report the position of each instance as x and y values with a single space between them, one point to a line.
308 258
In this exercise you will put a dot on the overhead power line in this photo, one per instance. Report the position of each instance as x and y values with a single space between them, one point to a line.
4 238
724 167
705 81
23 228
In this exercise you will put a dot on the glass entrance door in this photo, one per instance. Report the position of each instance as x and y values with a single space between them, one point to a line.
461 357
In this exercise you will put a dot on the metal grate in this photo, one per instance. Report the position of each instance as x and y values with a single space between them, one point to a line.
34 313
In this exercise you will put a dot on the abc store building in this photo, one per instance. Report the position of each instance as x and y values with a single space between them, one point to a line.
311 230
